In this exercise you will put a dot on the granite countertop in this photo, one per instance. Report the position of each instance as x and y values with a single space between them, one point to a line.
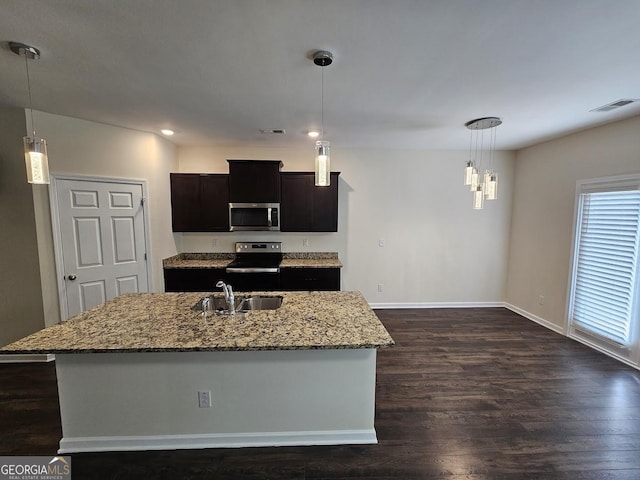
301 260
221 260
159 322
198 260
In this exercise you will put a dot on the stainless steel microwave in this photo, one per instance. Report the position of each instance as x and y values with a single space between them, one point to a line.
254 216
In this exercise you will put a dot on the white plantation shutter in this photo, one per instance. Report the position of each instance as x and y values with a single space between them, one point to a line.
605 281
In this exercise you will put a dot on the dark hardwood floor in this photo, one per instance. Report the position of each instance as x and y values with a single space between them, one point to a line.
465 394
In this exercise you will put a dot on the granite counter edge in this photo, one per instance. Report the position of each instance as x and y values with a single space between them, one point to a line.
376 346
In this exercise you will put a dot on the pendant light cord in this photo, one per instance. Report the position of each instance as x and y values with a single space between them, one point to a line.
478 154
493 148
322 104
26 62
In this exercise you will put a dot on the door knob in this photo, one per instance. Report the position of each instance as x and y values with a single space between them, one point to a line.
71 277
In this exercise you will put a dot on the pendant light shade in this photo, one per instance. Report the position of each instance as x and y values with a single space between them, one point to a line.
468 172
35 148
323 163
483 186
491 185
478 198
35 156
322 58
475 180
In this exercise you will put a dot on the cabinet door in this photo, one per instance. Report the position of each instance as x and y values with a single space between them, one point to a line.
185 201
325 206
192 279
199 202
310 279
214 202
254 181
305 207
296 206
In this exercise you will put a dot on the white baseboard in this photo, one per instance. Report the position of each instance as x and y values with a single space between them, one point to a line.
217 440
27 358
381 306
535 318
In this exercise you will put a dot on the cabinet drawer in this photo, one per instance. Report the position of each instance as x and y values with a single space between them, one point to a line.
306 279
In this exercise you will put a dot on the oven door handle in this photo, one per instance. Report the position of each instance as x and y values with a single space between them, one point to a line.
269 217
253 270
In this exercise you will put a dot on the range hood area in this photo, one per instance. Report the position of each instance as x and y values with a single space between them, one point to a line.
254 196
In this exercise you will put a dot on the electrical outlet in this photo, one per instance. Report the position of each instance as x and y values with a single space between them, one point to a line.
381 242
305 242
214 242
540 299
381 287
204 399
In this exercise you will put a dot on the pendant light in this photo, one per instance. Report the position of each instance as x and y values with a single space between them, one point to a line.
483 186
35 148
322 58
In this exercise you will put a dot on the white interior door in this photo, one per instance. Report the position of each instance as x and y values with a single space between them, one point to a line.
103 241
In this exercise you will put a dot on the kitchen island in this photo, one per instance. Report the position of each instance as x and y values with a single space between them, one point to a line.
130 372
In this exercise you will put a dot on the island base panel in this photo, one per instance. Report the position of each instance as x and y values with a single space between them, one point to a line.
149 401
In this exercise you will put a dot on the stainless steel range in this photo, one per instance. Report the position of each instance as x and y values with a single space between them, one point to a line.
256 266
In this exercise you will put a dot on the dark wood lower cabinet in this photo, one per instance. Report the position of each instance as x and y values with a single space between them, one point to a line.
307 279
289 279
193 279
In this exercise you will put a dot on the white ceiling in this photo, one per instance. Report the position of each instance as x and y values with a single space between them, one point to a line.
406 74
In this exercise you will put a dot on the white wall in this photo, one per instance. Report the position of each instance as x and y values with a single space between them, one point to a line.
543 210
21 310
81 147
437 249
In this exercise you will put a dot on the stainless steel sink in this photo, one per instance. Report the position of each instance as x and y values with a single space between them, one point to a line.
259 302
215 304
243 304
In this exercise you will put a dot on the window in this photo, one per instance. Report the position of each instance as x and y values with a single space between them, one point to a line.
603 305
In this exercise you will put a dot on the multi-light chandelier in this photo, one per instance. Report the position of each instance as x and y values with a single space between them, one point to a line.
322 58
483 185
35 149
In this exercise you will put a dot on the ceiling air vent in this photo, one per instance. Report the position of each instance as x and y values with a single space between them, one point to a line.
272 131
614 105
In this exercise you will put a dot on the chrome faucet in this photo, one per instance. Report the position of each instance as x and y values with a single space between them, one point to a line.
228 297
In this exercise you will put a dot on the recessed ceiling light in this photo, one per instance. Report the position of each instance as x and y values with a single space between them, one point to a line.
614 105
167 132
313 133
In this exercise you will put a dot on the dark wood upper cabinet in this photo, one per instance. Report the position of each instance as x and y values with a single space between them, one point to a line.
296 206
305 207
254 181
185 201
200 202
